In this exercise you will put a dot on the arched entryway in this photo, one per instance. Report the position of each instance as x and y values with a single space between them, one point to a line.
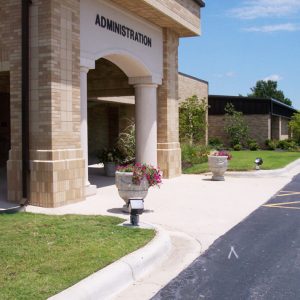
115 75
111 107
4 130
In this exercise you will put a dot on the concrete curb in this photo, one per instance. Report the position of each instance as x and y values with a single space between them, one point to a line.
267 173
109 281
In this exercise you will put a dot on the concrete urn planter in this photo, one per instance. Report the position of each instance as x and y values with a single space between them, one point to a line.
110 169
127 190
218 166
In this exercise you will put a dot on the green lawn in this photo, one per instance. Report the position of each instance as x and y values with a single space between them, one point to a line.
42 255
244 161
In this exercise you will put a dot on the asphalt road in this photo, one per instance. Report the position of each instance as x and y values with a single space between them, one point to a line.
258 259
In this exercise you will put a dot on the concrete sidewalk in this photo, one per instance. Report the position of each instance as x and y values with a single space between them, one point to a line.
191 205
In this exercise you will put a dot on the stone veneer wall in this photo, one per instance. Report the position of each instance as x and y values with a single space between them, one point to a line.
259 128
189 86
285 132
108 80
168 147
57 164
275 128
10 61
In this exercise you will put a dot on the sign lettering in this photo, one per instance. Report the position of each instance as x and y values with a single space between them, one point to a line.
123 30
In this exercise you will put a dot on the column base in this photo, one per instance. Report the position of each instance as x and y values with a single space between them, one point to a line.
14 177
90 190
56 177
169 159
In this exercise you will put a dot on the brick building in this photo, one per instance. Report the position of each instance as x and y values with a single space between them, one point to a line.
57 58
266 118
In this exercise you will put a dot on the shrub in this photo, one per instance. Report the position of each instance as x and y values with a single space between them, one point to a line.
271 144
193 154
235 125
294 125
237 147
192 120
252 145
287 144
215 143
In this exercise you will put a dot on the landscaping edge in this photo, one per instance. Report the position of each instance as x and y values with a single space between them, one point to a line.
112 279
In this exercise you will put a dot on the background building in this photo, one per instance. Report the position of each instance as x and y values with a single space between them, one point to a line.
266 118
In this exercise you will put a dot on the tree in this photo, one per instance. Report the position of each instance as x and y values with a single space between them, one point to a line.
268 89
192 120
235 125
294 125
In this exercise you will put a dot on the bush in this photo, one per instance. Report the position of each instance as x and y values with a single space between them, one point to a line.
288 144
215 143
294 125
193 154
271 144
235 125
237 147
192 120
253 145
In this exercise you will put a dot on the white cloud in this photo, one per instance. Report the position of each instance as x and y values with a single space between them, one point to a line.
272 28
253 9
273 77
227 74
230 74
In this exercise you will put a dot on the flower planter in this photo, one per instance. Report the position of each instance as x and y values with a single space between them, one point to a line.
127 190
110 169
218 166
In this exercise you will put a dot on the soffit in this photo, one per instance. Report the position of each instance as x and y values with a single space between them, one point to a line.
163 16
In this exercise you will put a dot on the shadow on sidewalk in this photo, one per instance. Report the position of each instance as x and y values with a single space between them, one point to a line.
96 177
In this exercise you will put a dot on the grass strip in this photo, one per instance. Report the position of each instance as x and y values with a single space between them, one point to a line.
41 255
244 161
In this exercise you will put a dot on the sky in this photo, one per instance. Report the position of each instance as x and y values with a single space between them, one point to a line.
244 41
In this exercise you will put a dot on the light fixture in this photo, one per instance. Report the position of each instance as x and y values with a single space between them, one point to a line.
258 162
136 208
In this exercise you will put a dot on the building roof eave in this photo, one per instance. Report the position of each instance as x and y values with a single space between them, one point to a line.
200 2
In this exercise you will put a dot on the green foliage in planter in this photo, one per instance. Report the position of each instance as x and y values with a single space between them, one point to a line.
126 143
123 151
110 155
235 125
192 120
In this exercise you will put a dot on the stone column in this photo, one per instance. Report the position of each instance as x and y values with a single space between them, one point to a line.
169 153
89 189
146 123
